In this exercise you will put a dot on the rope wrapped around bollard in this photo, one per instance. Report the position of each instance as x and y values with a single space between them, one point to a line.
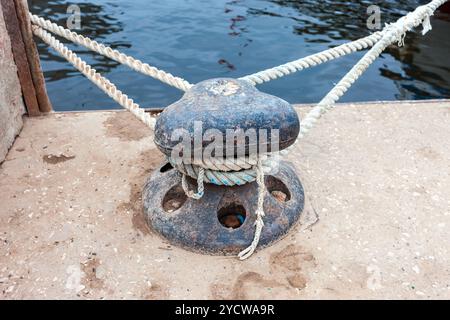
259 223
246 109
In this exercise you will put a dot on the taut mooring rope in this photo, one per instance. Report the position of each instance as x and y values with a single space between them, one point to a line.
112 53
394 32
103 83
312 60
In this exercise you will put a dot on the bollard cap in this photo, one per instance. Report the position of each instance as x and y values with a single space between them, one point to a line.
246 120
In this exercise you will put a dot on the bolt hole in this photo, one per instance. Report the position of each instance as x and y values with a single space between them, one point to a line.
174 199
277 189
166 167
232 216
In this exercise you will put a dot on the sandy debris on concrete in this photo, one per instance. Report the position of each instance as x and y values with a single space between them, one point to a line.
377 176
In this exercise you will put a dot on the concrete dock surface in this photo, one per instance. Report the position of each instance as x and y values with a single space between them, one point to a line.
376 222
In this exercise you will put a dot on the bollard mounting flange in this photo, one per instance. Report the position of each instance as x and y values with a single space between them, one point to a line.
222 221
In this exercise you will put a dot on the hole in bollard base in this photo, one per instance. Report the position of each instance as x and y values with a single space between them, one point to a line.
167 167
277 189
174 199
231 216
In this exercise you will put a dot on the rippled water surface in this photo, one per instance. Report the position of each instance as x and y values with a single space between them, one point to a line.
201 39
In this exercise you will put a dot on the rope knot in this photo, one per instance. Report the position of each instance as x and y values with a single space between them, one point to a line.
259 214
259 221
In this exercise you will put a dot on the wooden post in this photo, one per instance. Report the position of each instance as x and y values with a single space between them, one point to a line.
26 57
32 56
20 57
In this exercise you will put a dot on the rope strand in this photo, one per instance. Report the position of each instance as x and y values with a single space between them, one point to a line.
200 186
394 32
259 223
313 60
101 82
112 53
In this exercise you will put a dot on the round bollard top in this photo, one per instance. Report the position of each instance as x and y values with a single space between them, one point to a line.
233 108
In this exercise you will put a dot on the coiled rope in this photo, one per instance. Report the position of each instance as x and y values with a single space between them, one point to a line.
240 171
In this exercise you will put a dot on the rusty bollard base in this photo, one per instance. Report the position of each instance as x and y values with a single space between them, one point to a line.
222 221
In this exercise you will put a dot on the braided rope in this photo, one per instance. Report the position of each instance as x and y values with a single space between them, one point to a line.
221 178
200 186
112 54
243 171
227 173
393 32
259 223
103 83
313 60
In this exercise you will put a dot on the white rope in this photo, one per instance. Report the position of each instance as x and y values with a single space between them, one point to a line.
313 60
259 223
112 54
394 32
226 172
220 178
332 53
103 83
127 103
200 186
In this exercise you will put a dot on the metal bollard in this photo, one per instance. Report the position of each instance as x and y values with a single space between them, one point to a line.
222 221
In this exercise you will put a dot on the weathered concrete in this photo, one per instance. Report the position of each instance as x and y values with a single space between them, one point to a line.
11 103
377 176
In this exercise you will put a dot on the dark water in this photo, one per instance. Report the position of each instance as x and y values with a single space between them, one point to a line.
200 39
